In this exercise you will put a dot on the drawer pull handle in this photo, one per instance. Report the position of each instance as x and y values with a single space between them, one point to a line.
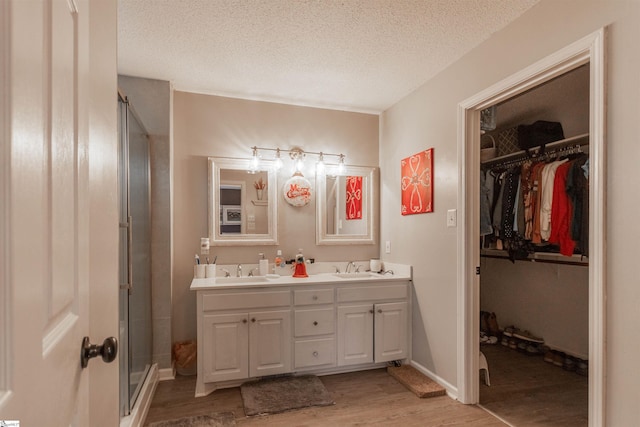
371 311
379 310
253 320
315 323
315 354
244 320
315 297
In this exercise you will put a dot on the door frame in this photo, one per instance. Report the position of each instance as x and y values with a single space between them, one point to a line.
588 50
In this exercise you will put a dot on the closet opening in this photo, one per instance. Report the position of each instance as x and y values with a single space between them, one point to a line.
534 290
534 278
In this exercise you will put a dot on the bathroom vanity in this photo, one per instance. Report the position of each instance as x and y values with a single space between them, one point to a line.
253 327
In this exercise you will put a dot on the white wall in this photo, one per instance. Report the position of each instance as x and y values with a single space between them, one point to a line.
206 125
428 118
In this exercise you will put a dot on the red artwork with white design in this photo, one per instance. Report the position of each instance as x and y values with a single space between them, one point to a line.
354 197
417 183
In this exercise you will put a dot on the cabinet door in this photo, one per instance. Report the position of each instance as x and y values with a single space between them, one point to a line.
355 334
270 343
225 347
390 331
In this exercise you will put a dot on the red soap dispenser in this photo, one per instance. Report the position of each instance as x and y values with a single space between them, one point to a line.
300 268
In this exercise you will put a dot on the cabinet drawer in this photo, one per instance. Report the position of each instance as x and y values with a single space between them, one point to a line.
314 322
313 296
372 293
315 352
231 301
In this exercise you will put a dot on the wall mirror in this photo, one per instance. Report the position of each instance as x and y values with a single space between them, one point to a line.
242 205
347 207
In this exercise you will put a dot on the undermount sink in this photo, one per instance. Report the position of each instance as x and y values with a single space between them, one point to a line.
246 279
356 275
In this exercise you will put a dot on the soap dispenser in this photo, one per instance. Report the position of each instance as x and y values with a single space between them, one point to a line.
263 265
279 261
300 269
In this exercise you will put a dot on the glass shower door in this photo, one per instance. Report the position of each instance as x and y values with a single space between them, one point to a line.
135 257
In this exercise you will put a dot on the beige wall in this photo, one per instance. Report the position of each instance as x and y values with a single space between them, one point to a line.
428 118
207 125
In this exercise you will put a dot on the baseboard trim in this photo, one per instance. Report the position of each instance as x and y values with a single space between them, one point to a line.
140 410
166 374
452 391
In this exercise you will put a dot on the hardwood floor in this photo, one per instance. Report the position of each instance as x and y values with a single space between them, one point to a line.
362 398
527 391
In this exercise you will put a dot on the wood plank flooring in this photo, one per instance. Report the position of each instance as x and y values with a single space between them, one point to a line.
527 391
362 398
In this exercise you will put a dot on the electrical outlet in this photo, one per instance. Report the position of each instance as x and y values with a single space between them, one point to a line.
387 247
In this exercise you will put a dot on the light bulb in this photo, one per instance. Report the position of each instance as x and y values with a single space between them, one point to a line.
320 165
341 165
255 162
278 163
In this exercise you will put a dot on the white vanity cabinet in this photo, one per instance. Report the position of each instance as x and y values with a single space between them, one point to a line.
372 324
242 335
257 330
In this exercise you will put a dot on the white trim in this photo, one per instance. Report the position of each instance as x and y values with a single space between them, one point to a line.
166 374
139 412
590 49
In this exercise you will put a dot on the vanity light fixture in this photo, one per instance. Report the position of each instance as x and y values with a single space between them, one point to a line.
298 156
255 161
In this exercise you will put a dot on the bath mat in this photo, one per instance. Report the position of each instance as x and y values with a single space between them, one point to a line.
415 381
220 419
275 395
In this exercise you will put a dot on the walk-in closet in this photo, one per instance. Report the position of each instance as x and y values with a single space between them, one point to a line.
534 275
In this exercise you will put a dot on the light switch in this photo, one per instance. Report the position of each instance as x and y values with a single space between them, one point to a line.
387 247
451 218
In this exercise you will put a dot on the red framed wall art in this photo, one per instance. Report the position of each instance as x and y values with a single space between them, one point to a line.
417 183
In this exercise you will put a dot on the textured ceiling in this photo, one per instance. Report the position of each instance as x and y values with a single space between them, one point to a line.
358 55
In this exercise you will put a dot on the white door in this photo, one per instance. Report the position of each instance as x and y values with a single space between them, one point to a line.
270 343
355 334
390 331
58 281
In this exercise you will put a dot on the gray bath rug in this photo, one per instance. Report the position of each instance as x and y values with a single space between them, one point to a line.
275 395
221 419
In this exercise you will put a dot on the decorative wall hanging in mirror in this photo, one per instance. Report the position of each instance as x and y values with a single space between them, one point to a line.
242 202
347 207
417 183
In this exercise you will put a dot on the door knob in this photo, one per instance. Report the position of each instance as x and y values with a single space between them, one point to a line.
108 350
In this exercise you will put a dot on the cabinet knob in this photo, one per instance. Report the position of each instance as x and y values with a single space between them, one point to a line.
371 310
253 320
244 320
379 310
315 297
315 323
315 354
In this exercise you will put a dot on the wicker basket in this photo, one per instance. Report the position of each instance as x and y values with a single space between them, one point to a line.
489 152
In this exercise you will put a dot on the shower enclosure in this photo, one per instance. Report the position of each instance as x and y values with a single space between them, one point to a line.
134 255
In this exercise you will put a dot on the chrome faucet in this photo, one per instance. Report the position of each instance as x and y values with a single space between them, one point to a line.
358 268
252 270
226 272
239 270
337 269
349 264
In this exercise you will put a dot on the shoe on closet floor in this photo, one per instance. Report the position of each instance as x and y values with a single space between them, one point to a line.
569 364
558 358
528 336
534 350
509 330
505 341
548 356
522 346
582 367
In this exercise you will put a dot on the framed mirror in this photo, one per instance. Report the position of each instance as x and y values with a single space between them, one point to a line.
243 206
347 207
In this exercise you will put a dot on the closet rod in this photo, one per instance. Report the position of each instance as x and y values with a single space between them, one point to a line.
546 261
552 148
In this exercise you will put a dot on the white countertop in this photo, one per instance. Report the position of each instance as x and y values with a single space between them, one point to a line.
400 273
